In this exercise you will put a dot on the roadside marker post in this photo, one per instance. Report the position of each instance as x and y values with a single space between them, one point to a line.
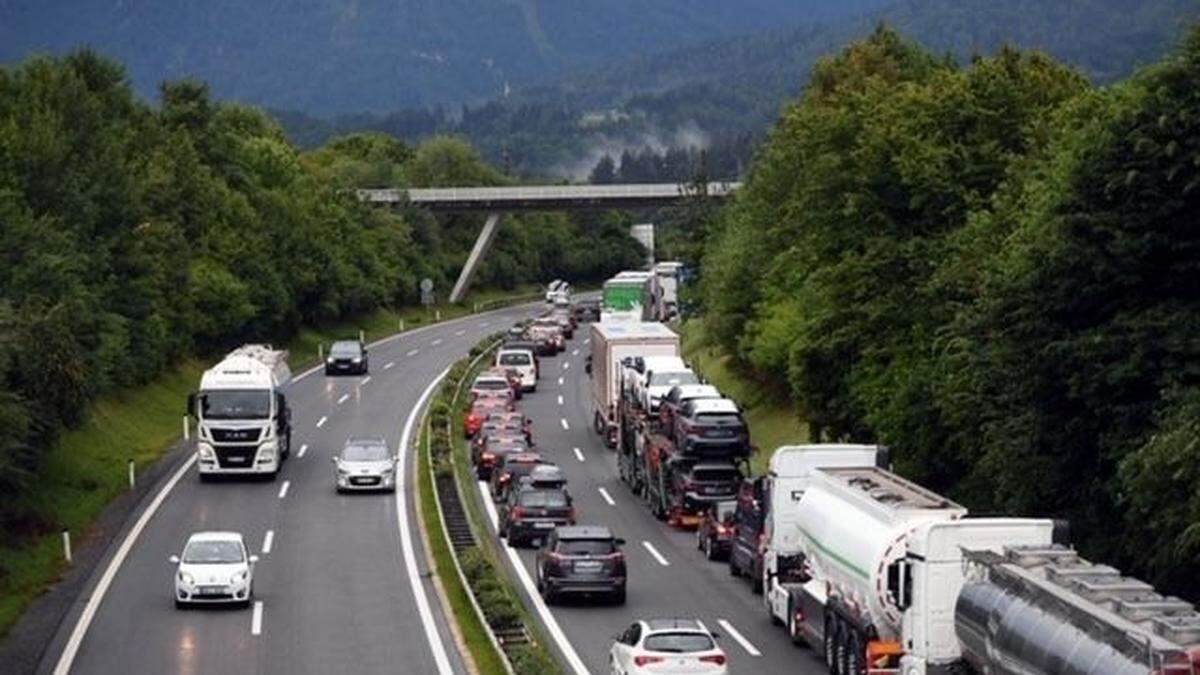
132 476
187 428
361 336
66 538
320 351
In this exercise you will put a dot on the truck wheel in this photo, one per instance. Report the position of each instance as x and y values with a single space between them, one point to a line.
855 654
756 582
829 645
841 649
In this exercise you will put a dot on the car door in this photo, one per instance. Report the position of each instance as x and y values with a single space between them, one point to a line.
624 647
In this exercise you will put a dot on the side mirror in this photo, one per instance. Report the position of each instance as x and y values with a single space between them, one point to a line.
253 559
191 404
174 560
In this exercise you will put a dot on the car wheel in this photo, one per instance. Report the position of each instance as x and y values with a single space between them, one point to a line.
179 604
205 478
618 597
756 582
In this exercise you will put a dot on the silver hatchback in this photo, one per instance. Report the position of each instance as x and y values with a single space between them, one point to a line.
366 463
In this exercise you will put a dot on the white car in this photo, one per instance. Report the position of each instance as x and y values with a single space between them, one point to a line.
667 647
366 463
523 362
214 568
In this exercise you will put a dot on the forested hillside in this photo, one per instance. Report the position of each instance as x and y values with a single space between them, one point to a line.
133 236
993 269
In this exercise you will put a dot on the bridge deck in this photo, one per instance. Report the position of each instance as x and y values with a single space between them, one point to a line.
543 198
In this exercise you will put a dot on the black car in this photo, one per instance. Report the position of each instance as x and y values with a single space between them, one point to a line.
747 547
714 536
712 427
527 515
487 455
508 471
703 483
586 310
346 357
584 559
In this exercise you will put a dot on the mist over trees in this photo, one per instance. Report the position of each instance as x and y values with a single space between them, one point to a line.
132 236
993 269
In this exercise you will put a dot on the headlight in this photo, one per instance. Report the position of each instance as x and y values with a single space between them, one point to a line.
385 471
357 359
206 451
239 577
186 578
329 359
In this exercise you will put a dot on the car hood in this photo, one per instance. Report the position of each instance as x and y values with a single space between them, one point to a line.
365 467
212 574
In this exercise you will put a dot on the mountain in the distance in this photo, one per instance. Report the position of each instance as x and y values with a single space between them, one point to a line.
334 56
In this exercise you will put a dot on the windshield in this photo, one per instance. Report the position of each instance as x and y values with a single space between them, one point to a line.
678 643
715 474
344 349
586 547
515 359
545 499
213 552
718 418
672 379
365 453
233 404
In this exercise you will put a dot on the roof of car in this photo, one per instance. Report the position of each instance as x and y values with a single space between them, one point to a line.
583 532
365 440
713 405
522 458
674 625
514 441
690 391
215 535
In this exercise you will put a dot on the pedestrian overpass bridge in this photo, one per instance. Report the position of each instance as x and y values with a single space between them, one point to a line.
495 201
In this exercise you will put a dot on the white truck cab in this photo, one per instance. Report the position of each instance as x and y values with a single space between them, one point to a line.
244 423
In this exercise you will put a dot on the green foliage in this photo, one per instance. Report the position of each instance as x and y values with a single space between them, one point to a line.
992 269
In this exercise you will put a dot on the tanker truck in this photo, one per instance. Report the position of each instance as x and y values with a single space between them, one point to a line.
897 580
244 422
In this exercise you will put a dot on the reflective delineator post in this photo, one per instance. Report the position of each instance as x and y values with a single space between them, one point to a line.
401 325
66 537
132 477
361 336
187 428
320 351
437 315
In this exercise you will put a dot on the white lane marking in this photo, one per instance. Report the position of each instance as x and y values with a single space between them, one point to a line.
566 364
284 488
560 381
365 380
343 399
654 552
489 504
587 340
566 427
256 620
560 399
321 422
578 454
93 603
607 497
388 365
406 542
575 352
750 648
303 449
268 540
548 620
459 333
436 342
413 352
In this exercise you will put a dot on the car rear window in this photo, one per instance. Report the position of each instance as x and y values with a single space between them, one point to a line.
718 418
515 359
586 547
672 379
678 643
491 384
715 474
543 498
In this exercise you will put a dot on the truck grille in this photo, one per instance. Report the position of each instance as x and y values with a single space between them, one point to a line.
235 435
236 456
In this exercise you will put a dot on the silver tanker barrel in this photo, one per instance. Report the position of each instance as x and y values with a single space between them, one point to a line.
1046 611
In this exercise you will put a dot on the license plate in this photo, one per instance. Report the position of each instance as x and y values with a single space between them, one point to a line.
720 433
235 458
587 566
211 590
543 526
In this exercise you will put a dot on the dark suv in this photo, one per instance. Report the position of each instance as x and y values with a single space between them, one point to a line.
714 535
584 559
346 357
530 514
492 451
508 471
704 483
705 426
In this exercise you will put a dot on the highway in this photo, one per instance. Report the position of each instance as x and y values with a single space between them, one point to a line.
333 591
668 576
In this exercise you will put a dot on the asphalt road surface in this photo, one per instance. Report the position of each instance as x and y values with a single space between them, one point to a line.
668 576
333 592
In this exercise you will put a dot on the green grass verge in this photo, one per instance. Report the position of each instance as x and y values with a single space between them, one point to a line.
88 467
474 633
773 422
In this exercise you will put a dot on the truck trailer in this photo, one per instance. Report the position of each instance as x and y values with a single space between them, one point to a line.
244 422
612 342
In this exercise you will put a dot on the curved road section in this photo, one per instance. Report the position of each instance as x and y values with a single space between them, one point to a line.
342 584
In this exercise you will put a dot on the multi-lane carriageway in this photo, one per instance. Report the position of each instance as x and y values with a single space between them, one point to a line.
342 585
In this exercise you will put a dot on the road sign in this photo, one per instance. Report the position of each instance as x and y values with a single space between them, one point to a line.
427 291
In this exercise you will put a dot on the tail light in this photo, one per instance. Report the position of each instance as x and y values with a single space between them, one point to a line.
645 660
571 515
798 617
721 529
488 456
518 513
718 659
504 478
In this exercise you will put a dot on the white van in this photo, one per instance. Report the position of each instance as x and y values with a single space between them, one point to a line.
523 362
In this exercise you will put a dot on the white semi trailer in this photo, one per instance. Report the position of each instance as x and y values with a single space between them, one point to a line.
244 422
886 577
613 342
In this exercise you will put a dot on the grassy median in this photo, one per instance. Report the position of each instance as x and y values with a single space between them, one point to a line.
88 467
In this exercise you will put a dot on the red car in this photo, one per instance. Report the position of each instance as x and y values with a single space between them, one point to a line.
481 408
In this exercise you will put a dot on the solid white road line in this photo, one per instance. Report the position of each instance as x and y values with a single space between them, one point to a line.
548 620
303 449
560 399
284 488
654 552
488 505
575 352
436 342
413 352
256 620
578 454
268 540
566 427
343 399
365 380
607 497
321 422
93 603
560 381
750 648
406 543
566 365
388 365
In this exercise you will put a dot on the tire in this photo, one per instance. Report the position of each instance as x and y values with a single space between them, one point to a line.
855 654
273 476
205 478
829 645
841 647
775 621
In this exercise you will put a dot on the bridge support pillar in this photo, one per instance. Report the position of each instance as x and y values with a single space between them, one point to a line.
482 245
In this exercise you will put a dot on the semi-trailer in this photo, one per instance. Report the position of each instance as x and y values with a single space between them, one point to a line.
613 342
244 422
882 576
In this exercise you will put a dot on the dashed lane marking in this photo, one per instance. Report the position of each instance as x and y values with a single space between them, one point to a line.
257 619
736 635
566 427
388 365
654 552
560 399
321 422
607 497
268 541
303 449
365 380
413 352
578 454
436 342
343 399
560 381
283 489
